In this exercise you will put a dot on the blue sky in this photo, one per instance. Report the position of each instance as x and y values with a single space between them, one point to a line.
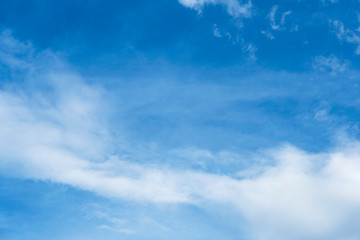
179 119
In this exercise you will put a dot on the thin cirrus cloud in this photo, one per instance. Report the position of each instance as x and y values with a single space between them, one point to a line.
233 7
62 137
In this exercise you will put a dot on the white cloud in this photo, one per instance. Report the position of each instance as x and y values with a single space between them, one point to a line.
331 63
61 137
347 35
233 7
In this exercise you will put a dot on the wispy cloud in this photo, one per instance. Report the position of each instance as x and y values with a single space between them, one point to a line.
62 137
268 34
271 17
233 7
331 63
216 31
116 229
15 54
275 25
302 196
329 1
283 17
347 35
249 49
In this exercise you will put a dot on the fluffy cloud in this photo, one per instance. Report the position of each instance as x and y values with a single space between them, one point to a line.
233 7
62 137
